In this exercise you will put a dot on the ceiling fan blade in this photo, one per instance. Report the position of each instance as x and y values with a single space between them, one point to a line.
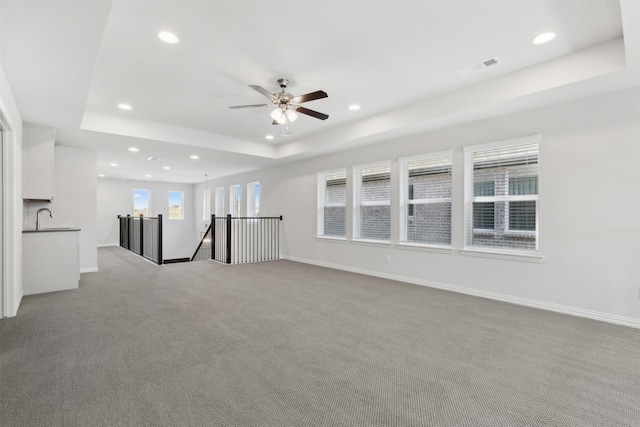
312 113
252 106
309 97
262 91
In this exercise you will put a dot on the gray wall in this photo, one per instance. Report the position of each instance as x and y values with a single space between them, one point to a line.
589 210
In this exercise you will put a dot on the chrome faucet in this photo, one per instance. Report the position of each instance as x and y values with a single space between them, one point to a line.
38 217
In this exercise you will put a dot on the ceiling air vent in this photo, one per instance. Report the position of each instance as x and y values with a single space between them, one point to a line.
478 67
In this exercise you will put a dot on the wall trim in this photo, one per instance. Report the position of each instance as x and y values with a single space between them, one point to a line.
106 245
558 308
89 270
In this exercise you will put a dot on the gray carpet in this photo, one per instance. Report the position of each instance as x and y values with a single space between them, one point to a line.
286 344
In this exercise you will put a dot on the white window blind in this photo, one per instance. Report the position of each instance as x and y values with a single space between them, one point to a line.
219 208
253 199
372 202
206 204
332 203
234 200
501 195
425 199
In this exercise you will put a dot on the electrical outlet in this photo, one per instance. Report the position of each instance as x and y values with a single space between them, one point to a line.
387 259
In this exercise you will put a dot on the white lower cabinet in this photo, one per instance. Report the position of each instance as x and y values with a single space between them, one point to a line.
50 260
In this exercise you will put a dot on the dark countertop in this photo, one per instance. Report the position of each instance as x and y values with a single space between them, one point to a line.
44 230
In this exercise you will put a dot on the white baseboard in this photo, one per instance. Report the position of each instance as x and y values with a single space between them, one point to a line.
558 308
106 245
89 270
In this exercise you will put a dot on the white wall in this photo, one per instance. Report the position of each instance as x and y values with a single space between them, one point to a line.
12 197
74 201
115 197
589 211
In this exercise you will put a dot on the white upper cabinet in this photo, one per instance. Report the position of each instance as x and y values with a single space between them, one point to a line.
37 162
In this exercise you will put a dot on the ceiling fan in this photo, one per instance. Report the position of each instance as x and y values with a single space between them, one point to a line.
287 104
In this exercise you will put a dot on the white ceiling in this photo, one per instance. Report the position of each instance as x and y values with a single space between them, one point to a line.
70 63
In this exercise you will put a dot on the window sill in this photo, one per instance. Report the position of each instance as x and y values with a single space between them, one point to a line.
425 248
510 256
365 242
332 239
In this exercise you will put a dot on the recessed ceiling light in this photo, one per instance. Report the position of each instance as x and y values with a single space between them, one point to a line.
113 164
166 167
194 157
354 107
124 107
269 137
134 149
148 176
543 38
101 175
168 37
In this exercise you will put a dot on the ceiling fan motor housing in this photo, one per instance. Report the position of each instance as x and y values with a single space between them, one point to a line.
283 83
283 97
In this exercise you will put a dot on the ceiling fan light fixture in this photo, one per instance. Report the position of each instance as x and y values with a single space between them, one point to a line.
291 115
278 115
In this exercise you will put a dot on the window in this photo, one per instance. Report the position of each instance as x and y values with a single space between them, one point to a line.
332 203
372 202
176 205
141 202
234 200
206 204
220 201
425 199
501 193
253 199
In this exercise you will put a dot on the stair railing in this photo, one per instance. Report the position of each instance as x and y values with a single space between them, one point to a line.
203 251
142 235
237 240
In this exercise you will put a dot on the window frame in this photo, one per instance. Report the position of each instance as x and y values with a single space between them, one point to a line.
469 199
148 201
357 202
219 202
235 198
182 204
407 203
253 199
321 186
